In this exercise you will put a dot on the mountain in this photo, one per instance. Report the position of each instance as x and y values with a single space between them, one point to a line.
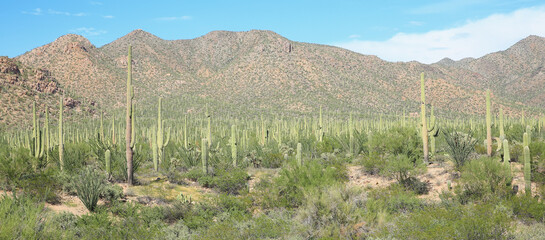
263 71
21 86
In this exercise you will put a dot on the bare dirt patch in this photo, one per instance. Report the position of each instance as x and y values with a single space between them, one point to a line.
437 175
70 204
359 178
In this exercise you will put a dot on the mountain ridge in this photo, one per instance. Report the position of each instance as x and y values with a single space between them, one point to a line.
264 71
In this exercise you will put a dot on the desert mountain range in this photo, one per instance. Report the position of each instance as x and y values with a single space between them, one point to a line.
261 70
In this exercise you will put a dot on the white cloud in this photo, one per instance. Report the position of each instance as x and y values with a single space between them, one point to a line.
39 11
88 32
416 23
174 18
473 39
54 12
96 3
354 36
108 16
36 12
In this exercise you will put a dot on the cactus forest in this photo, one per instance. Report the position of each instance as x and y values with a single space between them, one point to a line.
204 175
351 120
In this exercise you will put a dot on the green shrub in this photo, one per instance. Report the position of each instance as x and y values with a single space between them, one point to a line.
20 218
515 132
15 163
89 186
194 174
515 152
483 179
528 208
394 199
177 231
398 141
42 185
456 222
529 232
287 190
112 193
231 180
330 209
373 164
273 225
235 206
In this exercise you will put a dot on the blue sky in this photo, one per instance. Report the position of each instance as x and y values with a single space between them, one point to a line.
393 30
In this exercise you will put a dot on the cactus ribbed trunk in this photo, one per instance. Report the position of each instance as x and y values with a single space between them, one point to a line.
108 159
506 154
527 171
233 145
351 134
128 117
61 134
423 118
204 155
321 127
299 156
502 131
488 125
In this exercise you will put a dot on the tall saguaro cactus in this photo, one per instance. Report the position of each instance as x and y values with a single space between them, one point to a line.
233 143
161 142
527 171
423 118
204 155
299 156
502 131
434 131
321 127
488 125
128 118
506 153
61 134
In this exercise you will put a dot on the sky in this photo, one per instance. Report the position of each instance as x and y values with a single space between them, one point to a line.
394 30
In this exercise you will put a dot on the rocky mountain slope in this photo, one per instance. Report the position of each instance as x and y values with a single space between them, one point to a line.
261 70
21 85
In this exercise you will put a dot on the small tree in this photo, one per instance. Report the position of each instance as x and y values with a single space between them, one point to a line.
460 145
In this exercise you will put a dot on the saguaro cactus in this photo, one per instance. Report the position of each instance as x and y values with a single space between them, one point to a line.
204 155
61 134
527 171
108 157
506 154
233 143
351 134
299 156
423 118
128 118
321 127
161 143
502 132
488 125
434 131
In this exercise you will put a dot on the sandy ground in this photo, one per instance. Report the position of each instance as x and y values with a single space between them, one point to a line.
437 175
70 204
